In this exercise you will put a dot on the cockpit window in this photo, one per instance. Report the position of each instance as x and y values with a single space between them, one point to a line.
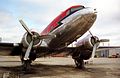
76 9
72 10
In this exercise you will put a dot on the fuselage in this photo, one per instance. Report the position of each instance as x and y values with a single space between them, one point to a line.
69 26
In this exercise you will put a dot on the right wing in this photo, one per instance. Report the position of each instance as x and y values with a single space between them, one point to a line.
10 49
15 49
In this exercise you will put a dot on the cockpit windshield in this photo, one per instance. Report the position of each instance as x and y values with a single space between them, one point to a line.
76 9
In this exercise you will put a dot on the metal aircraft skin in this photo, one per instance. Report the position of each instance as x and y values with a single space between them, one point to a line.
66 28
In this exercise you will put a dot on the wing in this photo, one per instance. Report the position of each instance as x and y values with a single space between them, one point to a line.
45 51
9 49
12 49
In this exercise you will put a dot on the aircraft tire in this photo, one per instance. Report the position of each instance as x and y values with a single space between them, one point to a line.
26 65
79 63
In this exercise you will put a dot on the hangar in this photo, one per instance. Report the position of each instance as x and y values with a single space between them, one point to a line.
114 52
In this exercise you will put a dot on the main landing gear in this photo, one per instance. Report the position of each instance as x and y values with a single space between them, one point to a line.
26 63
79 63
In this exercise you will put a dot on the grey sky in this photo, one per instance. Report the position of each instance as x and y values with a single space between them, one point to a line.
39 13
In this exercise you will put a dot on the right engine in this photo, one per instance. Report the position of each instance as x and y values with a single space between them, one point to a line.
88 42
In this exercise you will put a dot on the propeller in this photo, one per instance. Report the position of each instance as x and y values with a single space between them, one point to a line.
94 50
91 34
26 57
97 41
104 40
34 37
25 27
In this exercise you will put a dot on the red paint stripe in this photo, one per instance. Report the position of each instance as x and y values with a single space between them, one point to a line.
54 24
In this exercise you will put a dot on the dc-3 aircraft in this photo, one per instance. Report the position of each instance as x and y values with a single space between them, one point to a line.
66 28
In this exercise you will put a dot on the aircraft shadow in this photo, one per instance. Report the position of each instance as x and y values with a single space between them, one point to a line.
41 70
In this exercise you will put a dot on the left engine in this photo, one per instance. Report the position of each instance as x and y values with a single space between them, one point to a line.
27 38
85 47
88 42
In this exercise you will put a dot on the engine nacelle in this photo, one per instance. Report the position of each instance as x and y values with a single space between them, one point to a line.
27 38
88 42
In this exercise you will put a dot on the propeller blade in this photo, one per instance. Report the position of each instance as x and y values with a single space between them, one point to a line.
26 57
46 36
91 33
104 40
94 50
25 26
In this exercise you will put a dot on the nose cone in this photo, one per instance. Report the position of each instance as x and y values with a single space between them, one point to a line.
89 14
91 17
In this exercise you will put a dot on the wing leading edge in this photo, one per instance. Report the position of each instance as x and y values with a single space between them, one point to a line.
6 48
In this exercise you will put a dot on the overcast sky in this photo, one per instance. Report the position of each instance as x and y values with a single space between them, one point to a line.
39 13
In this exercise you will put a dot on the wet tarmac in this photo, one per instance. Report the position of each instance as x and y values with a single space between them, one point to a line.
58 67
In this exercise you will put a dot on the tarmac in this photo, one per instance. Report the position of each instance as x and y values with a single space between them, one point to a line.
59 67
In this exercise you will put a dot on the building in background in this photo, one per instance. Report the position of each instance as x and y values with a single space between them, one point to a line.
111 53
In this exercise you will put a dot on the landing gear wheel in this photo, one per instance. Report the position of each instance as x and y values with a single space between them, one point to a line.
26 65
79 63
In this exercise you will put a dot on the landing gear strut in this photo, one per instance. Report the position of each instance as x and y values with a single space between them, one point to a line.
79 63
26 65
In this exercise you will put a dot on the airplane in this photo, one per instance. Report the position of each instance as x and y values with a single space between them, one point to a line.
66 28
